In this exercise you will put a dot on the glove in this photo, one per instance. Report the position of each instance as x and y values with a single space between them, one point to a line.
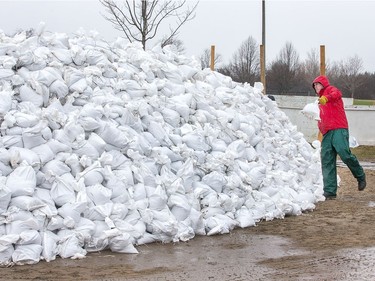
323 100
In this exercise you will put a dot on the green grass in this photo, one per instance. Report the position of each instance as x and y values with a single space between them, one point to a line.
363 102
364 153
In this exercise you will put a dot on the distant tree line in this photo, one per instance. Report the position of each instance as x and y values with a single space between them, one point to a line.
140 21
287 74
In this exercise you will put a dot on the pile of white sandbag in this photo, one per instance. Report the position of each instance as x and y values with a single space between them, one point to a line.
106 146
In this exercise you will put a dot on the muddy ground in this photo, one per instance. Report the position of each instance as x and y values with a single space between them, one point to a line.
336 241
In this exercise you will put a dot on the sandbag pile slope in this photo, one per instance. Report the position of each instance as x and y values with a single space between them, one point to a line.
106 146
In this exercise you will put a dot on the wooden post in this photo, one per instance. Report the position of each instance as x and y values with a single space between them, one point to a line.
322 60
322 72
212 65
262 68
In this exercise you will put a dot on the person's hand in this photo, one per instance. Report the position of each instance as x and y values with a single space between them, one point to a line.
323 100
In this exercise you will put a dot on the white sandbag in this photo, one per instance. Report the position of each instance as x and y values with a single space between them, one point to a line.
72 75
59 88
197 222
2 229
6 73
244 217
196 141
97 243
186 174
27 254
146 239
5 102
257 175
28 94
73 210
179 206
27 203
45 196
50 245
18 226
27 237
92 175
19 155
237 149
44 152
99 212
63 55
6 254
4 155
62 192
57 146
79 86
5 170
311 111
122 244
87 149
215 180
220 224
185 232
26 120
93 70
172 73
89 123
73 162
85 228
112 135
55 167
70 245
22 181
17 80
31 140
353 142
144 173
55 118
9 141
136 230
47 75
16 214
7 62
5 195
55 223
96 57
117 186
187 71
7 240
99 194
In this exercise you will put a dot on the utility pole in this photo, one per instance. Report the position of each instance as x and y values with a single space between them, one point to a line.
263 48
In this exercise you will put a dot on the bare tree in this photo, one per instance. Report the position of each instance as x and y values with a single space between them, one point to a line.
349 74
140 20
311 65
285 72
173 41
205 58
244 66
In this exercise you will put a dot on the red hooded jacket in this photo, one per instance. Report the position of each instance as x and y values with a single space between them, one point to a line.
332 114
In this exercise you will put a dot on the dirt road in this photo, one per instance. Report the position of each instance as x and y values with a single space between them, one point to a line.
336 241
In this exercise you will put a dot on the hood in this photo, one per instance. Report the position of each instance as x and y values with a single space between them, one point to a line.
322 80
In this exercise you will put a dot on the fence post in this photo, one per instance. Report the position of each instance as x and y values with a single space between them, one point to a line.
322 60
322 72
212 65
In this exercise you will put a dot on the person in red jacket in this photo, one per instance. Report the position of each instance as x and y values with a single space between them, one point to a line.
334 127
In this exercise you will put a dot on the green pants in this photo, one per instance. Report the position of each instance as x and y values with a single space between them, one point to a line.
337 142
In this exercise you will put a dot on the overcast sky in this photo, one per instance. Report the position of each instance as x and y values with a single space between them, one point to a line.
346 28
